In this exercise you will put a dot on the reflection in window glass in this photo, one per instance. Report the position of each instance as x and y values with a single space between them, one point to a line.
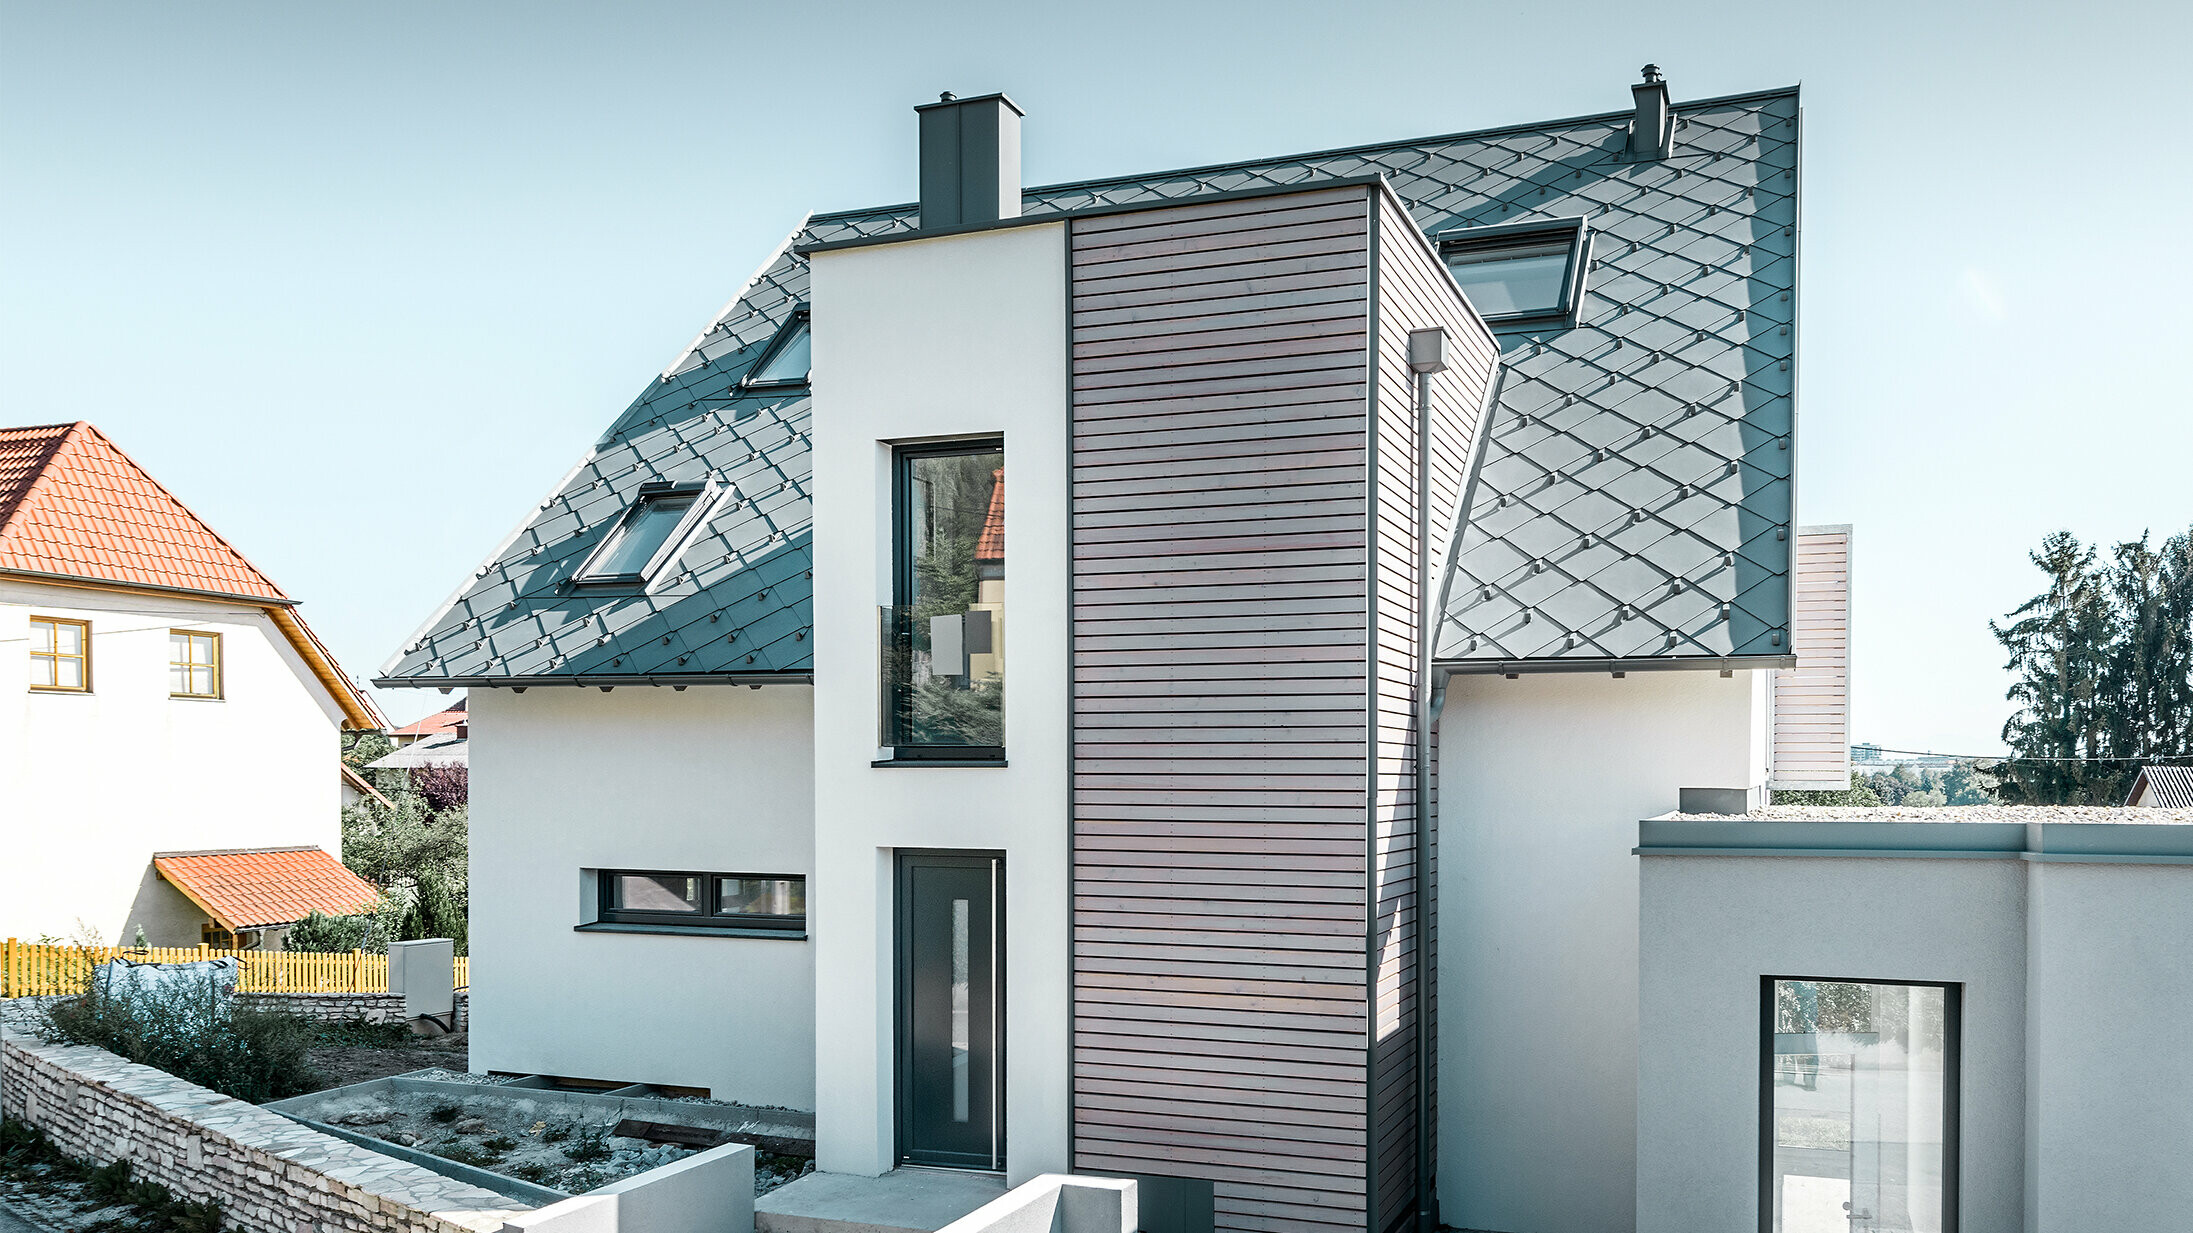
788 364
660 892
1502 280
641 536
761 896
947 631
1860 1080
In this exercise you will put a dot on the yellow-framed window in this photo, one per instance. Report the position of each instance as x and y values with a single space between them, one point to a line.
60 655
194 664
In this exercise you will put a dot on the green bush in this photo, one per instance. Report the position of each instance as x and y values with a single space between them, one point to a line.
195 1035
320 933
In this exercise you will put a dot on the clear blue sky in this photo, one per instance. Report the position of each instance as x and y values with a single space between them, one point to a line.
359 282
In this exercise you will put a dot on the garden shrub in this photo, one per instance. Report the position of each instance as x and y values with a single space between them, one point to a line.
195 1035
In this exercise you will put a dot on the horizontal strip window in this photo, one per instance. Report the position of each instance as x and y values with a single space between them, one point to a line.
713 901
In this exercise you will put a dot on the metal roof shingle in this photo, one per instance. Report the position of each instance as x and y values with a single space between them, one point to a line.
1647 444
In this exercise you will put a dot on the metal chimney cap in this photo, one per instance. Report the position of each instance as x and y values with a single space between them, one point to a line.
1653 75
949 99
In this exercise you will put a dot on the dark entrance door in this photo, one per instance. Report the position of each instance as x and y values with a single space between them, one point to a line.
951 1098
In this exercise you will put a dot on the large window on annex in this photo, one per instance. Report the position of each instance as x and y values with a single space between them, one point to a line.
944 632
1858 1107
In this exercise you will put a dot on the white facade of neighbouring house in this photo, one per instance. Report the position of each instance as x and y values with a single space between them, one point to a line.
103 779
110 751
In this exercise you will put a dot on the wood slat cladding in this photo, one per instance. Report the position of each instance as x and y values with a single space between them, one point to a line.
1414 291
1812 700
1245 574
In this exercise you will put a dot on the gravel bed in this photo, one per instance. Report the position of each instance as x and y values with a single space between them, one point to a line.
548 1143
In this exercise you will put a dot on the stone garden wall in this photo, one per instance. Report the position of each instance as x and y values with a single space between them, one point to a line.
270 1174
345 1007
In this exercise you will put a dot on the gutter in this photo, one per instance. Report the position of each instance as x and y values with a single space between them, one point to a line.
1673 663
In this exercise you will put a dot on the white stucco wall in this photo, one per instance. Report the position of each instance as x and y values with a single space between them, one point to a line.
1713 926
1542 781
91 785
957 336
713 779
2111 994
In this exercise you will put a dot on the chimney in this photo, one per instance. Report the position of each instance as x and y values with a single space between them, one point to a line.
1652 133
970 161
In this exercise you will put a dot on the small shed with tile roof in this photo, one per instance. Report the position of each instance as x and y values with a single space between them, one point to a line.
249 891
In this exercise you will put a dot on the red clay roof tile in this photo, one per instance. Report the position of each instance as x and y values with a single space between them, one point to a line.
72 503
250 888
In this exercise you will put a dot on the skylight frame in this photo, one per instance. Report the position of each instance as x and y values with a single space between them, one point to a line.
1574 231
706 496
800 322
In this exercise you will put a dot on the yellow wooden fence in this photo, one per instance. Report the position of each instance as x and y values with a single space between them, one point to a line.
28 969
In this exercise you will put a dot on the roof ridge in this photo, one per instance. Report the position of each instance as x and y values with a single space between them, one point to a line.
1499 130
294 847
43 471
192 514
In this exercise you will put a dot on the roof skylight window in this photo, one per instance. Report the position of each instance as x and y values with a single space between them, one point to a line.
649 535
788 358
1532 272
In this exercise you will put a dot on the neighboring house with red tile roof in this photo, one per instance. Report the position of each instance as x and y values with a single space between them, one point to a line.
157 692
248 897
446 722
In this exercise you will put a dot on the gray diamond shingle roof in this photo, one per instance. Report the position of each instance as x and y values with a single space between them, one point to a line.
1634 503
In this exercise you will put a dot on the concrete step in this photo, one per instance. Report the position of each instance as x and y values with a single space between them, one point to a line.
901 1201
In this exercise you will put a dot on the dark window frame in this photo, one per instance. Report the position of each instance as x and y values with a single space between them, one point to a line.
715 919
802 319
1953 1028
1576 232
705 498
902 597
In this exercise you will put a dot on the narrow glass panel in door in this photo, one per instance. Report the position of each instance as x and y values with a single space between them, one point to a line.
950 1095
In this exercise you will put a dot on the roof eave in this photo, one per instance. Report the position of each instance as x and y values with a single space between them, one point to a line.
599 680
1665 663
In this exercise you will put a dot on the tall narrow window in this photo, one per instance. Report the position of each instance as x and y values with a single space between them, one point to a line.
1858 1107
787 360
60 655
194 664
944 653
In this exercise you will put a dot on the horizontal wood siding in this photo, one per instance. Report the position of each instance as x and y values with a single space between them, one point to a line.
1413 292
1221 677
1812 700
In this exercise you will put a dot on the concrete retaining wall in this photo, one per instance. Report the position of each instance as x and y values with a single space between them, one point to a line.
712 1192
270 1174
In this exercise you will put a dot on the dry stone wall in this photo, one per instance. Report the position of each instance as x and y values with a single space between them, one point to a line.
270 1174
345 1007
